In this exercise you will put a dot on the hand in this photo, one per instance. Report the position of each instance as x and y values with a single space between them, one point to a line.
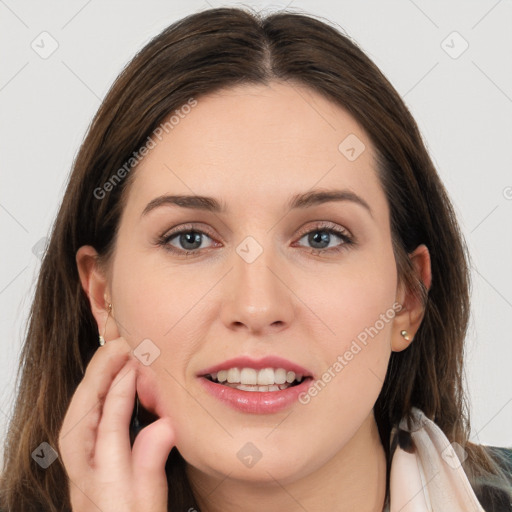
105 473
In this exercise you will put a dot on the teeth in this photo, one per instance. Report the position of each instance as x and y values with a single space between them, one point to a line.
280 376
243 387
273 387
266 376
266 379
248 376
234 375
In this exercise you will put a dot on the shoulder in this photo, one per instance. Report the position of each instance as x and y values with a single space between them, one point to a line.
504 457
493 498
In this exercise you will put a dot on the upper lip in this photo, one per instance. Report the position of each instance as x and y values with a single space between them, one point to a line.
257 364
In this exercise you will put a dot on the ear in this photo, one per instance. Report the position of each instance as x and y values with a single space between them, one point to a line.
410 316
96 287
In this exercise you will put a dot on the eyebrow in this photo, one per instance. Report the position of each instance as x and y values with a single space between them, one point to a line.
298 201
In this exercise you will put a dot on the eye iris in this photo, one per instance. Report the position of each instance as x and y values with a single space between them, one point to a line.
191 237
323 238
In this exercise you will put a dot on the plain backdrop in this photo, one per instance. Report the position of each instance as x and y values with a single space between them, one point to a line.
449 60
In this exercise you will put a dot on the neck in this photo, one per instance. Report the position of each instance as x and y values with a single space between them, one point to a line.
354 479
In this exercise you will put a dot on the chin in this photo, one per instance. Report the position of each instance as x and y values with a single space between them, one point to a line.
245 460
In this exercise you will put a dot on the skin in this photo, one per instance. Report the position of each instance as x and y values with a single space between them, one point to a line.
252 147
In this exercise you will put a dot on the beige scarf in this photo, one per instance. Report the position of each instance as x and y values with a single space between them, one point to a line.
431 479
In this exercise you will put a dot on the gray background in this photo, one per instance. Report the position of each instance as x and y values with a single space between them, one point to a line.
463 106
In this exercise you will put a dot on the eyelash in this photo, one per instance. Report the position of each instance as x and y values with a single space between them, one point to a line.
325 227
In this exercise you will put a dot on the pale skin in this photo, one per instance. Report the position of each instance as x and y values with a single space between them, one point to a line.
252 148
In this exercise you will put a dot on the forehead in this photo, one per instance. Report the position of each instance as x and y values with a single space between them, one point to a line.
268 141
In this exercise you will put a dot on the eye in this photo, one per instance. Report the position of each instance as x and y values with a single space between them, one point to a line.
188 241
326 233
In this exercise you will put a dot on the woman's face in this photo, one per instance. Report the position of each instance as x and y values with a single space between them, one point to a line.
264 280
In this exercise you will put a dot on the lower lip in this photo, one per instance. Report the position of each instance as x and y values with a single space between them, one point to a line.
256 402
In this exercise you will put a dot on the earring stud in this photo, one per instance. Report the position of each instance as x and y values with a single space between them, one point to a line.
405 335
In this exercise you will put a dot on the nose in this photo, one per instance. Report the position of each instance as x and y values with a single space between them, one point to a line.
258 299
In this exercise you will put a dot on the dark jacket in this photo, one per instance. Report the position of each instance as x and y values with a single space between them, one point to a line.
501 502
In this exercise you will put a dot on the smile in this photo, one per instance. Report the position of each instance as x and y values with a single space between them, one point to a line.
249 379
263 386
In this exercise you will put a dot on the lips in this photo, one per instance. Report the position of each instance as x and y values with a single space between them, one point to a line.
256 399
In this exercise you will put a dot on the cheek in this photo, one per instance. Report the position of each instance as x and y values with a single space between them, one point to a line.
147 387
150 307
354 360
161 390
158 385
356 302
359 311
157 299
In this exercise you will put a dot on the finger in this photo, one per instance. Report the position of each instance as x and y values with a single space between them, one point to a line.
78 431
152 447
113 449
149 454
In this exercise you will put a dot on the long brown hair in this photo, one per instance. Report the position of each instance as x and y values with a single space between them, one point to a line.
197 55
